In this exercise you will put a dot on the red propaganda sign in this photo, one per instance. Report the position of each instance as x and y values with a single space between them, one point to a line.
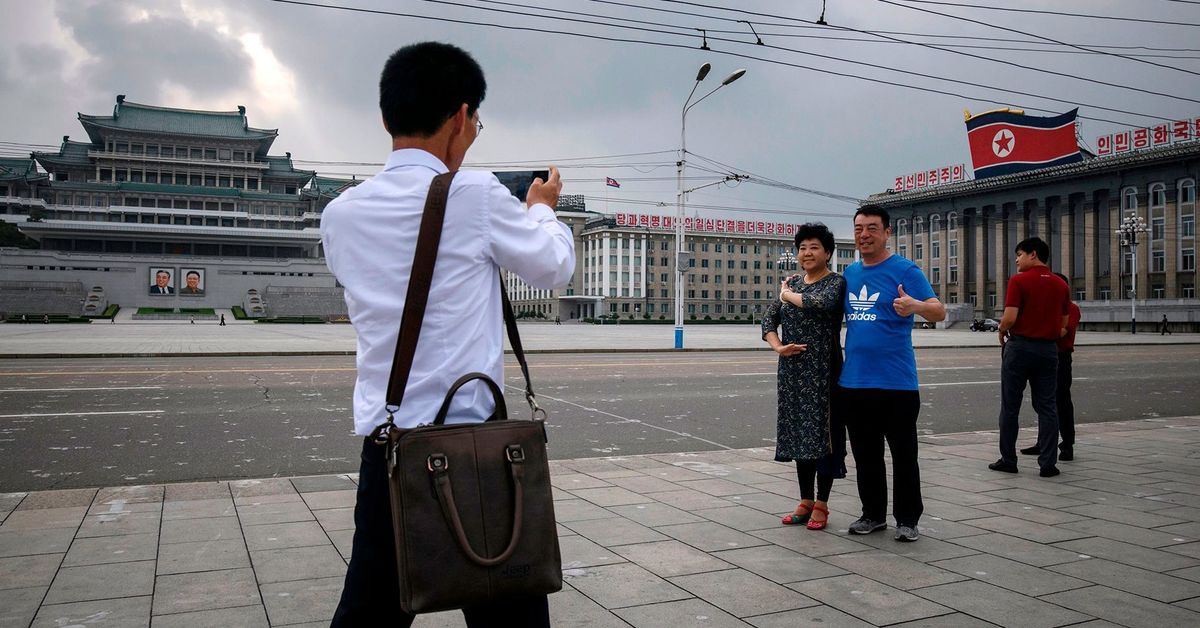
1149 137
929 178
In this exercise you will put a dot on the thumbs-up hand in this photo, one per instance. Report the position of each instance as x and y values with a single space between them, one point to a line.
904 304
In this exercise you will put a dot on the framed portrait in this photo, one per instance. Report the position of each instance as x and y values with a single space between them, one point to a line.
191 282
162 281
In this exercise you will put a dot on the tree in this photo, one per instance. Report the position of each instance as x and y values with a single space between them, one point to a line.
11 236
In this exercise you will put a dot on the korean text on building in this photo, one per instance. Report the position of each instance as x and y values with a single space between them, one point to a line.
1149 137
710 225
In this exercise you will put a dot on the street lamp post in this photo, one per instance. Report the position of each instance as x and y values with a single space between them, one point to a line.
1131 227
681 257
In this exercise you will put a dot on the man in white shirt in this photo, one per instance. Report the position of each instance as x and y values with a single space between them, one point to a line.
429 96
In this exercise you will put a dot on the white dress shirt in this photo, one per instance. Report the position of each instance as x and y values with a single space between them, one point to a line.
370 236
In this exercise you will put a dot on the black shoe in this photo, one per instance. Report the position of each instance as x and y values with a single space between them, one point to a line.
1002 466
1066 454
1031 451
1049 472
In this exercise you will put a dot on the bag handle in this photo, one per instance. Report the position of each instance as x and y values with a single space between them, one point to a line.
501 408
415 301
439 466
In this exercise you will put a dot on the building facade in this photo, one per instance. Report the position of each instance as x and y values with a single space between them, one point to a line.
963 234
192 195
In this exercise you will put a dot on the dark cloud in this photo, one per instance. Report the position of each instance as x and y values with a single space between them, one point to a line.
137 56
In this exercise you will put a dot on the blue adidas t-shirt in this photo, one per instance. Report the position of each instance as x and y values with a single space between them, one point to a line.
879 351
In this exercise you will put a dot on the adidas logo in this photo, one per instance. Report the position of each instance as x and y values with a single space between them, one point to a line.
860 303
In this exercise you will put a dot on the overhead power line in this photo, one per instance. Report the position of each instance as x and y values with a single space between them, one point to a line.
779 62
961 53
1117 18
1028 34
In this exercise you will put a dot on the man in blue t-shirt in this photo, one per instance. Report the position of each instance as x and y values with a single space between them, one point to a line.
878 385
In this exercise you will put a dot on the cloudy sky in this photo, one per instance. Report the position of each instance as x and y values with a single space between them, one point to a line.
597 86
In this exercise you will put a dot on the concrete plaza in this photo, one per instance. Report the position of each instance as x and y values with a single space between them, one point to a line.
128 338
662 540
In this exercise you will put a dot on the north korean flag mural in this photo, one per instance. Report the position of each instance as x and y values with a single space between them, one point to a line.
1004 142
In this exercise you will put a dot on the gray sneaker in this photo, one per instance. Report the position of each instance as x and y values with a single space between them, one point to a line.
866 526
907 534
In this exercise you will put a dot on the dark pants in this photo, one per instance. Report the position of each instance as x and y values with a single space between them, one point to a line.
1034 362
1063 403
874 415
369 597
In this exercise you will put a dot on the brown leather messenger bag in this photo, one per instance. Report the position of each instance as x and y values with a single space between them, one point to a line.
472 510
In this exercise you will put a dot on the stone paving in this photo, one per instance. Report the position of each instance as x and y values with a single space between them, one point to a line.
179 338
662 540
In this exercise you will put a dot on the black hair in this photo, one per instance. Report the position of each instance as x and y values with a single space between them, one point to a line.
162 270
193 272
816 231
1035 245
422 85
875 210
1064 278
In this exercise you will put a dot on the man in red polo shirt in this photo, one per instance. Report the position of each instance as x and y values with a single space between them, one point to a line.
1036 308
1062 391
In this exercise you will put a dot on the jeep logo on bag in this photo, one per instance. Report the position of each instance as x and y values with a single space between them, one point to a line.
515 571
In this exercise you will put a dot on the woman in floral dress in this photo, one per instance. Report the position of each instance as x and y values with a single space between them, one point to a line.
809 311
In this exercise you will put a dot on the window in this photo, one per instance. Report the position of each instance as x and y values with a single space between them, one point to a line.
935 249
704 294
935 223
663 277
757 265
717 247
1189 291
1187 226
1158 195
1128 201
1157 292
1105 294
718 262
954 274
703 247
918 251
937 275
952 221
703 263
901 228
953 249
1158 261
903 250
1187 259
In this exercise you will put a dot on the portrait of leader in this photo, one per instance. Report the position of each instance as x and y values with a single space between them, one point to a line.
193 281
162 281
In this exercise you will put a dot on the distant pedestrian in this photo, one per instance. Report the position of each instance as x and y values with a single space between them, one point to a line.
45 319
1062 390
1166 329
809 429
557 320
192 319
1037 308
222 320
24 319
878 386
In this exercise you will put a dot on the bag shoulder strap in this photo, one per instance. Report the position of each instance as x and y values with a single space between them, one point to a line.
417 298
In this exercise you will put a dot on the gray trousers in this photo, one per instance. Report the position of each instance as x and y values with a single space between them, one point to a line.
1035 362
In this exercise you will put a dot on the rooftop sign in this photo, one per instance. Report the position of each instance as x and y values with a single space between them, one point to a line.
1148 137
707 225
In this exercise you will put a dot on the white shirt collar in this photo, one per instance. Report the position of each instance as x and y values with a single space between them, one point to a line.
414 157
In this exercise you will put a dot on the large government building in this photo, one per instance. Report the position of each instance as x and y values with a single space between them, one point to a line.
963 234
179 209
625 267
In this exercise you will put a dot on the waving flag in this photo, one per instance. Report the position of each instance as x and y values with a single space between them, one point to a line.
1005 141
611 182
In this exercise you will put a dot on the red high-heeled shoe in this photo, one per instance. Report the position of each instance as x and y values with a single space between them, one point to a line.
813 524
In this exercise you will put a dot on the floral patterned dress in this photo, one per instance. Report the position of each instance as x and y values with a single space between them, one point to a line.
806 380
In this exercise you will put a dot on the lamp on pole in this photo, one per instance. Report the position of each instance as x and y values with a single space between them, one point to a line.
787 261
1131 227
681 257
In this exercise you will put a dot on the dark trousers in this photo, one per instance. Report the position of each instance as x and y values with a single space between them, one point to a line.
874 415
369 597
1034 362
1063 403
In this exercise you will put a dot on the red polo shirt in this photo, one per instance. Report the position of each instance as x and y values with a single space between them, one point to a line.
1042 298
1066 344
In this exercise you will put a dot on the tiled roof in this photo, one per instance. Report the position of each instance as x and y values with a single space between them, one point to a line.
1098 165
70 154
333 185
17 168
138 117
52 227
281 166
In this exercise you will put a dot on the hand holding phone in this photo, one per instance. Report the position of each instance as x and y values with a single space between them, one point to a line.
545 191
